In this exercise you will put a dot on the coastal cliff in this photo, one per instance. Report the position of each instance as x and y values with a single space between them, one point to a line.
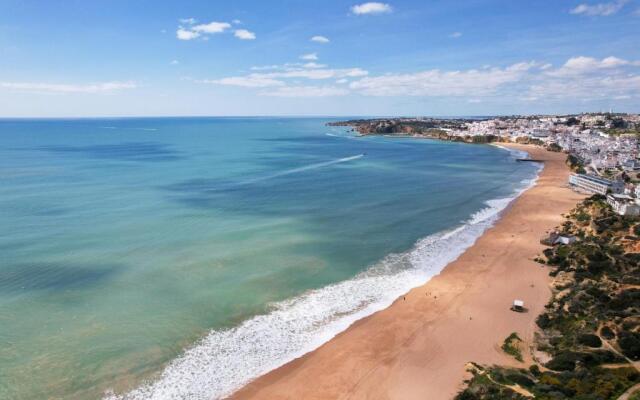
428 128
588 345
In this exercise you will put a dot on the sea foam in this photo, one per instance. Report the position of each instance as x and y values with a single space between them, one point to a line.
225 360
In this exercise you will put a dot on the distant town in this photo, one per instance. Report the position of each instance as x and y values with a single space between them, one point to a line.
602 148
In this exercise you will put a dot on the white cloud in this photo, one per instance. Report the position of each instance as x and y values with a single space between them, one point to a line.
599 9
605 86
455 35
248 81
580 79
320 39
195 31
587 78
319 74
306 91
264 67
582 65
105 87
244 34
314 65
236 22
270 78
309 57
212 27
371 8
184 34
442 83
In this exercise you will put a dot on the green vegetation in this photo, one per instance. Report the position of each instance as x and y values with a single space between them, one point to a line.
575 164
554 147
512 346
591 327
497 383
621 131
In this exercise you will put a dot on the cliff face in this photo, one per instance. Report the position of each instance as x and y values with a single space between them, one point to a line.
400 126
425 128
588 345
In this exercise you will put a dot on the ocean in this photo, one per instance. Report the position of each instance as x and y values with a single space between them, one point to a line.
178 258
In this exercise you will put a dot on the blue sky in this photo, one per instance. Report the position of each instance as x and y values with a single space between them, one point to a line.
463 57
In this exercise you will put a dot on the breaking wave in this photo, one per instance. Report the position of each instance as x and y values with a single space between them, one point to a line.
225 360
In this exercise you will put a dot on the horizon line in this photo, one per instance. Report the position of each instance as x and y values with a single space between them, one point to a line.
306 116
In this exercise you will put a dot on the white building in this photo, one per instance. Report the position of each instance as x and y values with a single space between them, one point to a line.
623 204
594 184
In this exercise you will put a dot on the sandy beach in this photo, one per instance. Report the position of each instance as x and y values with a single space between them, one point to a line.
418 347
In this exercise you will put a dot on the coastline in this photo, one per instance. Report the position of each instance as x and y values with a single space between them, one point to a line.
417 348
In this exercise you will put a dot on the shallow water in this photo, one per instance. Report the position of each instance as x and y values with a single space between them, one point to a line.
245 241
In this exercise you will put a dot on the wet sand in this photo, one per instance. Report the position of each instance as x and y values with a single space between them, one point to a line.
418 347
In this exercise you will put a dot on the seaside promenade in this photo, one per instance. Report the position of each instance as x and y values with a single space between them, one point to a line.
418 347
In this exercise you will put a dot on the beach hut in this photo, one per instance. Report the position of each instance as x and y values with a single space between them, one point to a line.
518 306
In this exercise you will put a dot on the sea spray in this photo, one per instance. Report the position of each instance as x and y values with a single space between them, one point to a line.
225 360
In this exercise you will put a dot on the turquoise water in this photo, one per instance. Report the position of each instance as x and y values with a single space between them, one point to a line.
177 258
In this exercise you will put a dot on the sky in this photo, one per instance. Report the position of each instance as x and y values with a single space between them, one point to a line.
327 58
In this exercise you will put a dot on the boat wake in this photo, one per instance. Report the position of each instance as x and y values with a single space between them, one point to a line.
299 169
225 360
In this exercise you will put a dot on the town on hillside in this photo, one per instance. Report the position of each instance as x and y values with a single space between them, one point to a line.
602 148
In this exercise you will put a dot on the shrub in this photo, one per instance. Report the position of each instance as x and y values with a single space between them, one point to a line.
511 346
543 321
588 339
520 379
629 342
535 370
607 333
565 361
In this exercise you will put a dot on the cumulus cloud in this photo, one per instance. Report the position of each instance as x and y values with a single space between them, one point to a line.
189 30
579 78
244 34
306 91
294 73
581 65
104 87
184 34
588 78
588 87
371 8
248 81
284 80
320 39
309 57
314 65
599 9
264 67
435 82
211 27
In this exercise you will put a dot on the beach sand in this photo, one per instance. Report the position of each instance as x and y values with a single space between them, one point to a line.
418 347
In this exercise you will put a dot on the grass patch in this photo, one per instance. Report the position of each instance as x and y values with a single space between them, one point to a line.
512 345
